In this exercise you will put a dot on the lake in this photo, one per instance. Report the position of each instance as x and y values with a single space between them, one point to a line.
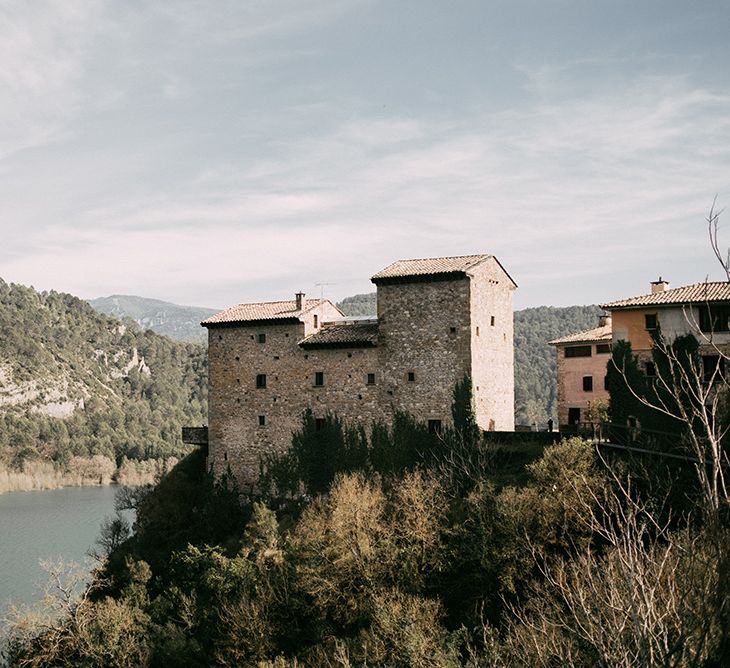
46 525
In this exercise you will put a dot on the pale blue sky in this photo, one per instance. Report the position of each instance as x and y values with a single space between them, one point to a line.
216 152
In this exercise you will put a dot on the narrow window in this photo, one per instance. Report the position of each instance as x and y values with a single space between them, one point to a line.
371 379
605 382
411 376
712 367
650 369
650 320
262 338
262 420
588 383
319 424
578 351
477 330
491 322
315 321
319 378
434 426
220 338
261 381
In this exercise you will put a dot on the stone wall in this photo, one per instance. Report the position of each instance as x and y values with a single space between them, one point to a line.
492 346
436 330
423 329
236 439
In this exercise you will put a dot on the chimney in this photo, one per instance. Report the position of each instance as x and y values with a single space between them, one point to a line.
659 286
604 320
299 298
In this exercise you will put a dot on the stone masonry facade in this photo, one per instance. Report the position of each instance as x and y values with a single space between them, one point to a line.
438 320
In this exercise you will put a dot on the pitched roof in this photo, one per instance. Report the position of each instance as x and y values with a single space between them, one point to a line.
586 336
688 294
285 310
430 266
344 335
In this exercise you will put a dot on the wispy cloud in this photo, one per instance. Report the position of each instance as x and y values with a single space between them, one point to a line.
193 166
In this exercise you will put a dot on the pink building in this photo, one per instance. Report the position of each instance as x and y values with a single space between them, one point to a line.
582 360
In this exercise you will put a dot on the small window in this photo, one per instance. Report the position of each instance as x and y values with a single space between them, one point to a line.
262 338
713 367
452 330
319 378
316 319
573 415
262 420
411 376
603 349
650 320
477 330
434 426
238 359
650 369
220 338
578 351
261 381
605 382
319 424
588 383
491 322
371 379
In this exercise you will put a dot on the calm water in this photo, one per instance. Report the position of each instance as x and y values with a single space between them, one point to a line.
46 525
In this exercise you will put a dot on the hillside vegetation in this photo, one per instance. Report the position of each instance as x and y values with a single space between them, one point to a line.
181 323
470 556
78 384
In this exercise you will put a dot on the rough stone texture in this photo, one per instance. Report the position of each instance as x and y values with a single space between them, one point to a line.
492 347
426 326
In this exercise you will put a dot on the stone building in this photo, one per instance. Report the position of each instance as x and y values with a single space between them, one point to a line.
438 320
581 367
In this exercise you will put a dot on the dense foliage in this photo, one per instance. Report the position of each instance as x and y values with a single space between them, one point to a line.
536 392
474 555
74 382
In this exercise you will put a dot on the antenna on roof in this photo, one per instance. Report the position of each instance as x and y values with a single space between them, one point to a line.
321 288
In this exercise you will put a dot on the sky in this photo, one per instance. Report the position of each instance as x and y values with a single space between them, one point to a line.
214 152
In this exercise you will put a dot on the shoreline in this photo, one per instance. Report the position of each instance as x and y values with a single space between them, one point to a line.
82 472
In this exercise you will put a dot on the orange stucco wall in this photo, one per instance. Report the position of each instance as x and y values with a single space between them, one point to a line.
571 371
630 326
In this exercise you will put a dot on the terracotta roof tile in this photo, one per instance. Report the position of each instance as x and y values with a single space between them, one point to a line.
586 336
262 311
427 266
688 294
344 335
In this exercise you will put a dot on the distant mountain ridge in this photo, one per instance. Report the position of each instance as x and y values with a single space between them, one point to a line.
535 372
181 323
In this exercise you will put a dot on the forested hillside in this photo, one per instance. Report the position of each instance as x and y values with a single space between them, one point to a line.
74 382
535 373
181 323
